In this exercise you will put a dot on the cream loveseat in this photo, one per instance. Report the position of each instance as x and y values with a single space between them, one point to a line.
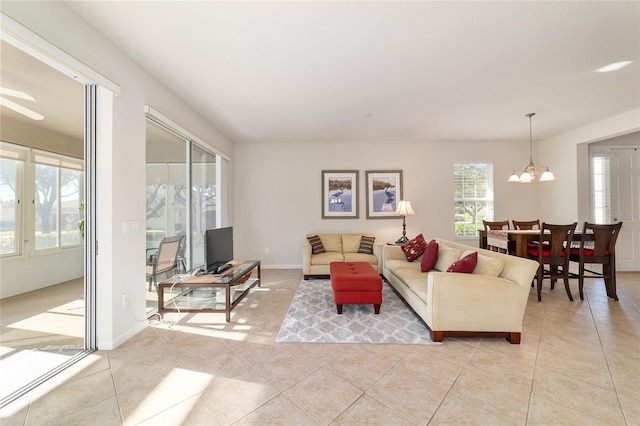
338 248
490 302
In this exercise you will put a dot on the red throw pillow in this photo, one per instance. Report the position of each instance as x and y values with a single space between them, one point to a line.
466 265
414 248
429 257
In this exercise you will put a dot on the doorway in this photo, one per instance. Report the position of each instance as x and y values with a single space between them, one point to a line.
615 173
43 306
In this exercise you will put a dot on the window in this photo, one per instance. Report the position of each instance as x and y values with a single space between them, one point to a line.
57 197
10 178
473 196
55 185
601 192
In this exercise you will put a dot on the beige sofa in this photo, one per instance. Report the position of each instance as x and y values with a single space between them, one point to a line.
490 302
339 248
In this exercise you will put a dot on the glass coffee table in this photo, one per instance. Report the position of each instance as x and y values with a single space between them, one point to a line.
209 293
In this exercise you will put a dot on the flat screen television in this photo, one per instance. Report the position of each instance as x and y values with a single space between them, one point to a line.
218 248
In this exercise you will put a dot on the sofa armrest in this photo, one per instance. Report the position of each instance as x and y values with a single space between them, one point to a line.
377 252
392 252
474 302
306 259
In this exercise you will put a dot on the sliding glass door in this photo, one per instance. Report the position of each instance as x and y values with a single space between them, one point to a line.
203 200
182 197
166 193
44 306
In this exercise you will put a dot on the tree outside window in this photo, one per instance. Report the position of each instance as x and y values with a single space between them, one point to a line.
473 195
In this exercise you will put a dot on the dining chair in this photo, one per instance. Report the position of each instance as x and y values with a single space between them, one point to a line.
497 225
597 246
164 259
554 254
526 224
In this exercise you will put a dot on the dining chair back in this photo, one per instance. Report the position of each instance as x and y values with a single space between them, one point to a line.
552 250
526 224
597 246
495 225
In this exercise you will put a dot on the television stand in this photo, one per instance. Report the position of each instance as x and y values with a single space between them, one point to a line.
209 293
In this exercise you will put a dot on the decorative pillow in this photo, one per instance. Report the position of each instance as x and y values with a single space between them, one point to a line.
487 265
446 256
414 248
466 265
429 257
316 244
366 244
350 243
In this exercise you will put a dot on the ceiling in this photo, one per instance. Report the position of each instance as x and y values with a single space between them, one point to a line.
384 70
56 96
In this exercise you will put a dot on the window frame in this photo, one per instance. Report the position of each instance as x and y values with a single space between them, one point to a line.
12 152
25 212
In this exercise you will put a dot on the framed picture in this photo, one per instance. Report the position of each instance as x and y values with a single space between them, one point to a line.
384 189
339 194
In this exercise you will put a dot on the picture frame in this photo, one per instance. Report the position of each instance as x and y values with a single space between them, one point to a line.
384 190
340 194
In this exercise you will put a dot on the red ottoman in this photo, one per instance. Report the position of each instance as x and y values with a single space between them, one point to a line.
355 283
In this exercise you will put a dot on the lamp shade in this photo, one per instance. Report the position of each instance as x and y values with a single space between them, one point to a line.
525 177
404 209
547 176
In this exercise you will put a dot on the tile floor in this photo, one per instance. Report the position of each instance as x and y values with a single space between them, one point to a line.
578 364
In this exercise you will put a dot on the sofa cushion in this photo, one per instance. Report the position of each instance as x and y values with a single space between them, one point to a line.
350 243
397 266
316 244
326 258
332 242
446 256
465 265
414 248
366 244
487 265
429 257
360 257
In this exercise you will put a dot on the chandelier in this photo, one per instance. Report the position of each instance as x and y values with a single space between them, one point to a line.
531 171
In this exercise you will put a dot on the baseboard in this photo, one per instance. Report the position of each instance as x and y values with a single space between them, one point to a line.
110 344
265 266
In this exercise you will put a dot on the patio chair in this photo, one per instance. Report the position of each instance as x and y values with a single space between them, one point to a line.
164 259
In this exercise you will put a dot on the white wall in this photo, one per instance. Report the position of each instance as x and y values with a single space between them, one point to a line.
278 187
121 171
564 200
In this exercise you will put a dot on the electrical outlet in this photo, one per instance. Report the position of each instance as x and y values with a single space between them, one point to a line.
125 300
266 250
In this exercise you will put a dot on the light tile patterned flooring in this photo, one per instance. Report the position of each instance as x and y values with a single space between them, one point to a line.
578 364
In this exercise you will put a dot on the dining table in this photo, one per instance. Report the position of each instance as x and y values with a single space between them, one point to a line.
514 241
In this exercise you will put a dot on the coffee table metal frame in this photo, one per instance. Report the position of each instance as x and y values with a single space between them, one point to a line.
239 276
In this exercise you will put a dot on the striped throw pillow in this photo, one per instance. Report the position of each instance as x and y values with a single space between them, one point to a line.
366 245
316 244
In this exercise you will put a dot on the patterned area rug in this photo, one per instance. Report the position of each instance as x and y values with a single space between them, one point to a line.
312 318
